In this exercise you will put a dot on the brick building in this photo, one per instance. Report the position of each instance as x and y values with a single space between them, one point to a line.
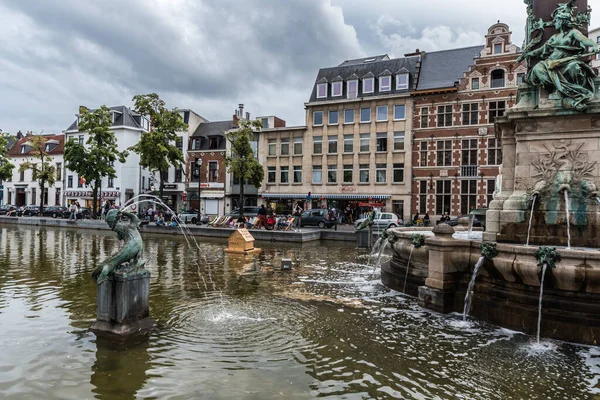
456 155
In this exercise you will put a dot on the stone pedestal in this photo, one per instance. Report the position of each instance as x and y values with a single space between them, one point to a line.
122 306
547 150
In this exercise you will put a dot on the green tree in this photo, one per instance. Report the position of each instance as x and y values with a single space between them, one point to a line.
42 168
95 160
157 147
241 161
6 167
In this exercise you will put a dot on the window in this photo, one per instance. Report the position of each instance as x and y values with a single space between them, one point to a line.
178 175
444 115
336 89
398 207
422 197
321 90
470 113
443 196
424 117
363 173
364 142
423 154
213 143
285 147
382 113
58 171
23 149
348 116
365 115
284 174
297 146
399 112
333 117
80 139
33 195
497 50
111 182
398 141
382 141
348 173
317 174
265 123
213 171
297 174
401 81
444 153
348 143
317 144
468 195
70 181
497 78
380 173
332 173
352 89
331 144
491 188
398 173
474 83
494 150
79 181
317 118
179 142
469 153
520 77
272 147
271 174
385 83
368 85
496 109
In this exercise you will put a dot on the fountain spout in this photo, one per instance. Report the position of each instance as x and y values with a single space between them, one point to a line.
488 252
547 257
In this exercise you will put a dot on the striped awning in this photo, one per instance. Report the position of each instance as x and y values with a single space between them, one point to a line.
316 196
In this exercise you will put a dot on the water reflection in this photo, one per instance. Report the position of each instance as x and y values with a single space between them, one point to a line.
232 326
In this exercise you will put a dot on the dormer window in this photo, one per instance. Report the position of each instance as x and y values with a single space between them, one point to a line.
336 89
352 89
321 90
113 117
368 85
385 83
401 81
145 124
498 48
23 149
475 83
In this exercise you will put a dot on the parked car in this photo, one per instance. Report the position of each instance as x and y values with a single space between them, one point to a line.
54 211
83 213
316 218
29 211
382 221
249 211
5 209
192 217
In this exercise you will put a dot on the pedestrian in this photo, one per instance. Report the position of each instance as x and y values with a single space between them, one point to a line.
297 215
262 217
73 212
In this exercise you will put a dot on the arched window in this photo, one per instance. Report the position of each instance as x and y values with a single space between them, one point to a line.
497 78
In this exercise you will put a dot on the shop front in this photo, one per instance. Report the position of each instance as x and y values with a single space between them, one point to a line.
84 197
210 198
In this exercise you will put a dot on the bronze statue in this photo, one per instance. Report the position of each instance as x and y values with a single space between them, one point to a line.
563 69
128 257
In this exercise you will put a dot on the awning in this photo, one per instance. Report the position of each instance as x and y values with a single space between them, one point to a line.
316 196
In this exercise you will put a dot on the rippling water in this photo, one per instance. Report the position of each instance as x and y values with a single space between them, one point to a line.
226 331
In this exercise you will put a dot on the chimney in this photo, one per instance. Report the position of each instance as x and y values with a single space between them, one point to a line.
241 113
235 118
82 109
247 116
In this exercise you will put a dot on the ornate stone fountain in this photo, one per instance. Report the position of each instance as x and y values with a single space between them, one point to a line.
548 196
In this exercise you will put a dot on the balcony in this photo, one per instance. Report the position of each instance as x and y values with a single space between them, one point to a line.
468 171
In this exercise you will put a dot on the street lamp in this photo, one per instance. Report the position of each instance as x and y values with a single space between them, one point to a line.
199 164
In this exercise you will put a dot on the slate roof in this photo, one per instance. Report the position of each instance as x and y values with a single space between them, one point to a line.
357 70
127 118
441 69
15 151
382 57
212 129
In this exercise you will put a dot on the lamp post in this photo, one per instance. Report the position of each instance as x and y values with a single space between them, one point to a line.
199 164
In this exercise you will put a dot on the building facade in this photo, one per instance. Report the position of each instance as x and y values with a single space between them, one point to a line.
353 150
23 188
456 154
594 35
131 179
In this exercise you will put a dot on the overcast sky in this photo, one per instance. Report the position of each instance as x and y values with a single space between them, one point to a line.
210 55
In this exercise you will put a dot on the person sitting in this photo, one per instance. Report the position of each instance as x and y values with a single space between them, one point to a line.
271 221
416 218
283 223
160 220
241 222
426 219
174 221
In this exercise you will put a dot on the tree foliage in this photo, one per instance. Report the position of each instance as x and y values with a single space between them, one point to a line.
94 160
6 167
42 167
157 148
241 161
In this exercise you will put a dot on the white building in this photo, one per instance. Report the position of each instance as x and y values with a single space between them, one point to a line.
23 189
131 179
594 35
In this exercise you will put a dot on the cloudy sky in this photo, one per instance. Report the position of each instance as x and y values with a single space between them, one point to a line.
210 55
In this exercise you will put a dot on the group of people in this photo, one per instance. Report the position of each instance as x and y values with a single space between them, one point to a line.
418 221
268 219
